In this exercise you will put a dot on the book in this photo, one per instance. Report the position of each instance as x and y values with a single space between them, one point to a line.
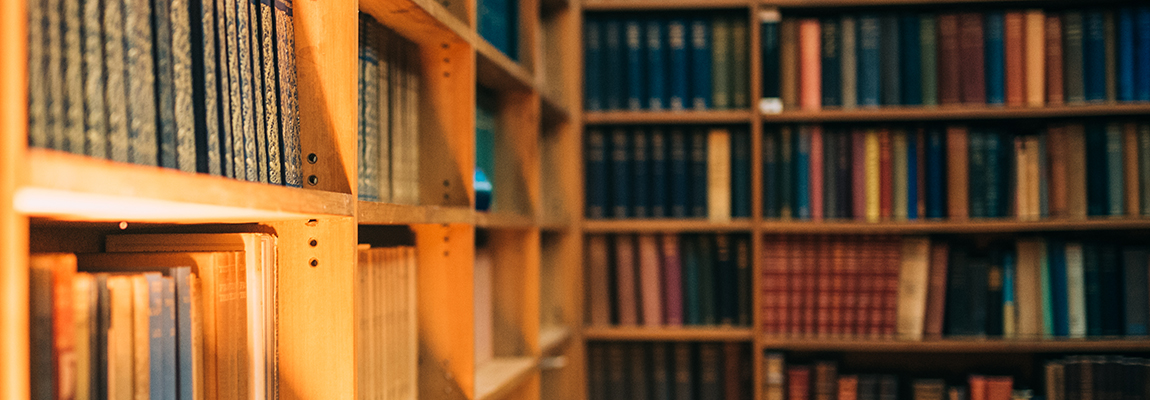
621 201
633 41
1006 58
928 50
848 60
615 63
707 253
659 156
626 284
912 287
598 267
789 63
1073 57
640 175
638 371
205 91
1076 290
656 53
672 282
956 173
719 175
1029 296
139 66
1094 69
936 290
721 87
650 280
910 57
709 371
830 82
739 64
593 48
699 172
677 38
816 173
684 376
1134 277
661 375
679 178
889 49
810 64
971 51
869 61
1053 49
741 174
701 64
1035 57
595 156
769 50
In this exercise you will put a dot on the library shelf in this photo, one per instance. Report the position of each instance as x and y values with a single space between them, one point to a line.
503 220
638 333
554 109
944 226
548 7
551 224
375 213
425 22
664 225
668 117
500 376
958 345
495 70
933 3
644 5
957 112
66 186
552 338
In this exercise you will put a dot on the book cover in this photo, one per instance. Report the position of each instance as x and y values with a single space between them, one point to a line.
1053 51
743 279
672 282
740 64
1135 281
700 189
650 280
615 65
599 281
900 187
620 183
684 376
595 161
949 58
810 64
637 369
709 371
1073 57
798 382
1130 167
911 59
1004 58
928 50
205 93
141 80
848 60
701 62
1035 58
802 171
873 176
869 61
1059 297
678 64
826 377
633 43
971 51
890 63
1075 290
1094 55
771 171
626 284
830 83
259 113
912 287
724 278
692 263
936 290
719 175
1076 170
679 179
640 175
1115 178
789 63
741 174
593 48
769 50
707 255
1029 297
1097 170
658 157
936 168
816 177
657 98
721 63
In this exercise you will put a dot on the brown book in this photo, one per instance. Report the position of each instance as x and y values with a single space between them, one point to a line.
999 387
773 377
63 268
912 287
1130 158
1075 147
826 377
799 382
789 63
810 64
848 387
936 290
1111 53
825 284
891 292
650 280
598 267
810 278
957 172
838 287
627 302
1035 58
949 78
772 284
929 389
1015 44
970 50
732 387
120 338
1056 163
1053 59
1028 299
977 384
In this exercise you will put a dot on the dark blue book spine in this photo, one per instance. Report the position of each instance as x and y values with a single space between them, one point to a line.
595 154
786 173
679 63
995 53
1056 254
658 156
911 57
613 71
620 168
741 174
869 68
727 304
912 143
1126 54
680 180
657 98
889 62
832 80
592 64
802 170
1098 192
935 173
977 152
769 45
698 174
639 174
770 170
183 330
633 32
1142 61
979 295
1094 55
996 171
958 313
1092 282
700 64
1111 290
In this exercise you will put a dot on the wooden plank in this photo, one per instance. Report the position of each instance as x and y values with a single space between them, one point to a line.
497 71
665 225
932 3
552 338
426 22
555 110
446 311
447 125
644 5
635 333
971 226
14 352
959 345
501 376
668 117
373 213
515 292
516 179
957 113
326 42
498 220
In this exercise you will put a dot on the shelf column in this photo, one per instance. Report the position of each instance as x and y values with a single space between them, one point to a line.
14 374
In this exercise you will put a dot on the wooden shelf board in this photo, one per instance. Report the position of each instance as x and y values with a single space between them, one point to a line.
498 377
972 226
552 338
867 3
668 117
496 71
554 109
501 220
549 7
425 22
724 333
66 186
972 345
374 213
664 225
956 113
629 5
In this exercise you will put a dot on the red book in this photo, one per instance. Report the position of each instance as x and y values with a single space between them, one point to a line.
853 311
824 284
848 387
885 175
999 387
766 285
936 290
1015 43
893 267
732 388
1053 58
782 285
858 173
971 58
949 77
920 148
799 382
795 287
816 172
810 284
838 287
865 286
977 387
1056 153
810 64
672 281
627 305
598 267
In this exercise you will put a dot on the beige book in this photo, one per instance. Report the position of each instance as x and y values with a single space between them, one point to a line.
484 312
912 287
84 305
196 292
719 175
1035 58
1028 297
120 350
141 353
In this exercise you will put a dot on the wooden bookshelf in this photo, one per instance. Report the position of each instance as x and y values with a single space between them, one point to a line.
552 338
665 225
957 113
669 334
648 5
374 213
972 345
932 3
499 377
937 226
667 117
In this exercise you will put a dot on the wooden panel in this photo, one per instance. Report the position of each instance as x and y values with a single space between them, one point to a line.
515 292
957 113
326 40
959 345
372 213
562 287
665 225
447 124
446 311
864 3
669 333
315 308
14 361
668 117
936 226
603 5
552 338
497 71
516 181
426 22
502 376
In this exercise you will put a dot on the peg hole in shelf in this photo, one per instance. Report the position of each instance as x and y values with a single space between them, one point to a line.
312 180
312 222
312 158
313 262
313 242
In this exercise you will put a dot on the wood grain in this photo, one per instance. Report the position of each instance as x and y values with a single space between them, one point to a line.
326 45
665 225
501 376
607 5
14 352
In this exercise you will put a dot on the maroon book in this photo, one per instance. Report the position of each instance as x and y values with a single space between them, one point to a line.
858 174
948 60
885 174
853 312
972 67
824 284
795 285
672 281
810 284
893 267
799 382
1053 58
936 290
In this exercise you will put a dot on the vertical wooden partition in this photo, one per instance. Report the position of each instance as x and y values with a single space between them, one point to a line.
326 37
14 376
446 311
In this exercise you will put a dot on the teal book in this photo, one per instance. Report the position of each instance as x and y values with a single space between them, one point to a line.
692 306
707 303
1144 165
701 64
141 79
720 63
289 106
928 51
1114 168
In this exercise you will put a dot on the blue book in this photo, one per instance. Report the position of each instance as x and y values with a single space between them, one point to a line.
621 176
1097 189
769 47
183 298
614 67
691 312
786 166
698 173
700 64
1056 253
935 173
831 79
770 170
639 174
995 53
679 63
657 157
995 173
657 98
633 34
740 174
592 64
1008 277
1092 281
680 181
977 154
869 61
802 171
595 157
911 57
1126 54
889 62
726 285
1142 59
156 336
1094 55
913 140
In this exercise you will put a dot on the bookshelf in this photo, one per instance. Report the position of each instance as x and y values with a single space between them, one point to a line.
55 201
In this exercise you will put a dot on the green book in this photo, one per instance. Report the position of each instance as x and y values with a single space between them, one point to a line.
1074 85
928 40
706 254
721 63
1114 166
740 81
899 172
1044 281
848 62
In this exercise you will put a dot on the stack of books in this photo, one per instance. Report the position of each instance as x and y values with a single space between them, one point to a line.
683 370
389 80
387 339
1097 377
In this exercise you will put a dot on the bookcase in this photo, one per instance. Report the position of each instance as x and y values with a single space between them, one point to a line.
957 355
54 201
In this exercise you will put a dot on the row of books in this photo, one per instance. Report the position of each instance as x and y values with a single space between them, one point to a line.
908 288
666 61
387 345
823 381
671 280
389 80
1097 377
668 172
1074 169
1017 58
203 86
159 316
665 371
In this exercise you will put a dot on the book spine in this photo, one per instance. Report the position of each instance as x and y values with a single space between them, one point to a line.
700 188
1076 290
657 98
830 170
73 87
1059 296
658 156
1092 282
677 45
915 174
672 281
848 61
1114 167
680 180
288 94
91 68
769 50
701 62
205 92
889 62
741 174
615 66
1136 282
593 64
771 171
721 63
1097 170
858 174
1035 58
886 187
802 182
957 172
706 279
626 307
810 64
1110 54
691 260
900 171
873 176
869 60
718 178
949 57
817 192
650 281
1004 58
830 83
598 267
1054 83
740 64
911 68
972 53
928 51
1073 35
843 193
633 40
789 63
259 113
620 184
640 175
1126 54
247 92
935 173
1094 55
786 172
141 83
1142 60
1144 167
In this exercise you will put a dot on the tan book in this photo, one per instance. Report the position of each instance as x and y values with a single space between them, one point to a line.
84 311
599 288
1075 147
912 287
141 349
484 307
120 339
650 280
1130 167
957 172
719 175
1035 58
198 360
1028 298
789 63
